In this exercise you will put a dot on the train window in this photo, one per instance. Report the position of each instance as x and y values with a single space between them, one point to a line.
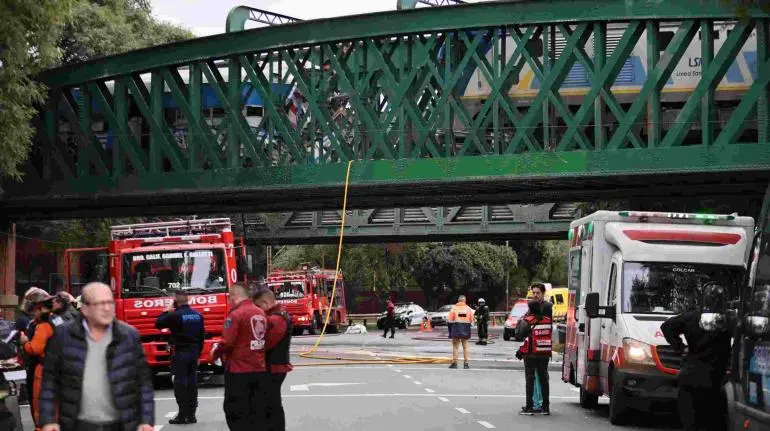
714 35
664 38
535 47
254 111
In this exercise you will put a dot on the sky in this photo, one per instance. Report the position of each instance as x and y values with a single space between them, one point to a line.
207 17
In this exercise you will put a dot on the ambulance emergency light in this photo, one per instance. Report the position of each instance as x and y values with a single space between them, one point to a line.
644 215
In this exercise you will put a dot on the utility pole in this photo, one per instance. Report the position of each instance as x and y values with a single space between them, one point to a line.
507 292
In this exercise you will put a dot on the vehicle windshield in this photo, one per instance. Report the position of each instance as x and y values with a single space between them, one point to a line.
519 309
446 308
288 289
156 273
672 288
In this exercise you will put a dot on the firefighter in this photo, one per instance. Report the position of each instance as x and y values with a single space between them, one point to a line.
390 319
187 334
277 346
537 331
459 322
40 303
482 322
243 351
702 401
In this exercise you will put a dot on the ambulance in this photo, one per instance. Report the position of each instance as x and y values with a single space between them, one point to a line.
629 271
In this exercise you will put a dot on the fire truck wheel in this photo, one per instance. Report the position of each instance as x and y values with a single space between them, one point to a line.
588 401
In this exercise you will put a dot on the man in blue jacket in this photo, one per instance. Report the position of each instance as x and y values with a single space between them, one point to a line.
186 326
96 373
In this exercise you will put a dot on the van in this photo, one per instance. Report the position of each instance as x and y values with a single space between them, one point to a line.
629 272
557 296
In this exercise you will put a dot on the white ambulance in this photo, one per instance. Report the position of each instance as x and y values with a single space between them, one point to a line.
631 271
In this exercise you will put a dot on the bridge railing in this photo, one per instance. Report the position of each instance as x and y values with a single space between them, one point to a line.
536 91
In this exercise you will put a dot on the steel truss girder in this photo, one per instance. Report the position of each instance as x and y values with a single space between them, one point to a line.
391 103
540 221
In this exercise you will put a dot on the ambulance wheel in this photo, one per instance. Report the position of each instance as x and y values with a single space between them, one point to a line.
618 409
588 401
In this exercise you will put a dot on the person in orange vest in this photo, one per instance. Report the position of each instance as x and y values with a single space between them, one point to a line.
537 330
459 322
41 306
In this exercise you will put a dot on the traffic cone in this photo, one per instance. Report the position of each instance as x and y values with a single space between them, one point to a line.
430 328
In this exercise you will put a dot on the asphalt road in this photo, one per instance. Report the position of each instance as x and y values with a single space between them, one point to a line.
407 397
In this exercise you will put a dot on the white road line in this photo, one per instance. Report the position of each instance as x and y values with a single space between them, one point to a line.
385 395
406 376
462 410
443 399
158 427
390 365
573 389
376 367
399 371
486 424
430 391
170 415
417 383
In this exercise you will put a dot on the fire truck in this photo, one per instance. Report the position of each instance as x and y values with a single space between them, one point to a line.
306 294
146 262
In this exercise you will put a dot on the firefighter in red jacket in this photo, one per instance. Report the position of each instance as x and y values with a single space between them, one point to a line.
536 352
243 352
278 344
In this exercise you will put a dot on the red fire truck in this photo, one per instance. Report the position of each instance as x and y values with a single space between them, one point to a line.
306 294
148 261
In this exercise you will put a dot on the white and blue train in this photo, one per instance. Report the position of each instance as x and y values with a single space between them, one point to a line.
473 88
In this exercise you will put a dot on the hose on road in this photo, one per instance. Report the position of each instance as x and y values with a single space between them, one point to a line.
341 359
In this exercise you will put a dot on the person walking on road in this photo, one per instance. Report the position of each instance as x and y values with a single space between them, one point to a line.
243 351
482 322
187 334
459 321
390 319
95 375
41 304
537 332
538 294
277 346
702 400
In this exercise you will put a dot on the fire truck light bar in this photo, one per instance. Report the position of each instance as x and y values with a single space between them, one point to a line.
679 216
182 228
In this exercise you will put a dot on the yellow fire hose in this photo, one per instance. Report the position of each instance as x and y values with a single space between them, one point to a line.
341 359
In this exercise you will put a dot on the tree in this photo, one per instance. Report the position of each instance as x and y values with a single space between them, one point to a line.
553 267
37 35
28 44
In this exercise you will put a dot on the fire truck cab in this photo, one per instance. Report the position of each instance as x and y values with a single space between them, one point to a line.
628 273
307 295
148 261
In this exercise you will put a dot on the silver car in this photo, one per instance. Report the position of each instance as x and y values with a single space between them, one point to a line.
440 316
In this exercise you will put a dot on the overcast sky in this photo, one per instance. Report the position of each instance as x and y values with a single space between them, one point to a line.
207 17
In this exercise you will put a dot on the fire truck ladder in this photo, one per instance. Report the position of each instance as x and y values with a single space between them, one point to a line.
171 228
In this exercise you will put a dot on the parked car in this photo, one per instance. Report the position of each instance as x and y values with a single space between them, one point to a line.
440 316
406 314
519 309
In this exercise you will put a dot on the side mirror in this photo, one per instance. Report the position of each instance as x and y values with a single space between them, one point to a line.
592 305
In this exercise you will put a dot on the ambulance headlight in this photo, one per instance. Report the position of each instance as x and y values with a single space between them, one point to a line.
636 352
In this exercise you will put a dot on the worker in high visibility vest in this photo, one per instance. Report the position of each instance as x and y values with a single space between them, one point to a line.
459 322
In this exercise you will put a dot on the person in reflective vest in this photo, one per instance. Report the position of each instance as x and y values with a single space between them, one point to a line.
459 322
536 352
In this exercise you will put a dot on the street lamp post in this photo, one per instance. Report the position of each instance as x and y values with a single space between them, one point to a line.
507 297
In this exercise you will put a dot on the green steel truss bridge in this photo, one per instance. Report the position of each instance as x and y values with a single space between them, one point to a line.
480 222
478 104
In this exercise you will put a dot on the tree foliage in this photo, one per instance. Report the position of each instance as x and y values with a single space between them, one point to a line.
28 44
40 34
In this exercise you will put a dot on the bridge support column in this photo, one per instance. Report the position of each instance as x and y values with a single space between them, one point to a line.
8 298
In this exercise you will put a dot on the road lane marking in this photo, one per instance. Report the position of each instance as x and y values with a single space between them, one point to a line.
430 391
390 365
376 367
386 395
158 427
443 399
406 376
399 371
573 389
486 424
462 410
306 386
170 415
417 383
